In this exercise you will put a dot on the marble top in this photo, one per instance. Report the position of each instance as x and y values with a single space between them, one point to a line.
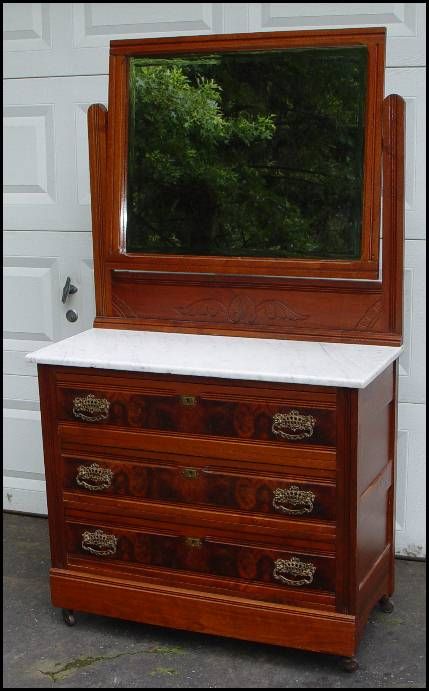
270 360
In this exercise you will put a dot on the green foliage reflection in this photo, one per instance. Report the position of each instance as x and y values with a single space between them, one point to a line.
251 154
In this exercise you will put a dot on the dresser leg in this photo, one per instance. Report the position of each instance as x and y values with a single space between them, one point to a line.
68 616
349 664
386 604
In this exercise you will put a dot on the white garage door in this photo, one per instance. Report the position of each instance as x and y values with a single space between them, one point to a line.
56 64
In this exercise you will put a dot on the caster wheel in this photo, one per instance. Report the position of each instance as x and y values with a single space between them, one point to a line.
349 664
386 604
69 618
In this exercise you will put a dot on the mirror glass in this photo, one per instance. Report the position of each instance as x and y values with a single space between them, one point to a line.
252 154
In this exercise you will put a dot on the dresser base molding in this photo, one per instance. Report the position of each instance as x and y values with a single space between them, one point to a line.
294 627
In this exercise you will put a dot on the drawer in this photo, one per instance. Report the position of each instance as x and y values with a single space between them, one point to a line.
199 484
184 553
252 415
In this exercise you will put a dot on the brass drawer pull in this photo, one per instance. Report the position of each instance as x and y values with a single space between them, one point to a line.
94 477
106 543
294 567
293 425
295 497
98 408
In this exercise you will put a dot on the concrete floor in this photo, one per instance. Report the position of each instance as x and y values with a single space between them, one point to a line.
40 651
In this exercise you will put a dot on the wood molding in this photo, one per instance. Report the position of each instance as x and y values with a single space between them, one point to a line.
328 632
394 206
97 140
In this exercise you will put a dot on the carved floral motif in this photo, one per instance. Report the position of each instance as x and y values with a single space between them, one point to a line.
241 310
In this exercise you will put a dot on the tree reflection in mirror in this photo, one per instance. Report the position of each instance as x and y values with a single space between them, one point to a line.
253 154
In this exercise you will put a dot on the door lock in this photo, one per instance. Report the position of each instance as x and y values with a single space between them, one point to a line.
71 315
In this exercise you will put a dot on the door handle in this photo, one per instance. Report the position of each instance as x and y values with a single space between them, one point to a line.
69 289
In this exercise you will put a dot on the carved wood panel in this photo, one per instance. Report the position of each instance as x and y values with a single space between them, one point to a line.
235 305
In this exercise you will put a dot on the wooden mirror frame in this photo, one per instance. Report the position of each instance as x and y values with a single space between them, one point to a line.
117 154
332 300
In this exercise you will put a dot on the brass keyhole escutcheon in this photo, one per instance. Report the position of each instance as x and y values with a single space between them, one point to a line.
195 542
190 473
188 400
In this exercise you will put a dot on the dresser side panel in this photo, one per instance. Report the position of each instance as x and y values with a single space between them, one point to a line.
52 461
374 491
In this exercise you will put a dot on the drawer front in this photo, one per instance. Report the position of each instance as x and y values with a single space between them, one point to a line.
231 559
201 485
204 414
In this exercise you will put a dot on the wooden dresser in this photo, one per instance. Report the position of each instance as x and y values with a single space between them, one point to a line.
261 510
220 448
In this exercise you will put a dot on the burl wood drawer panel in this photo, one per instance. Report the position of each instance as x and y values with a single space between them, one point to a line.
200 485
203 410
232 560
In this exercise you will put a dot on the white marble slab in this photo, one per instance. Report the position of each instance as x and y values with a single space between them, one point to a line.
271 360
